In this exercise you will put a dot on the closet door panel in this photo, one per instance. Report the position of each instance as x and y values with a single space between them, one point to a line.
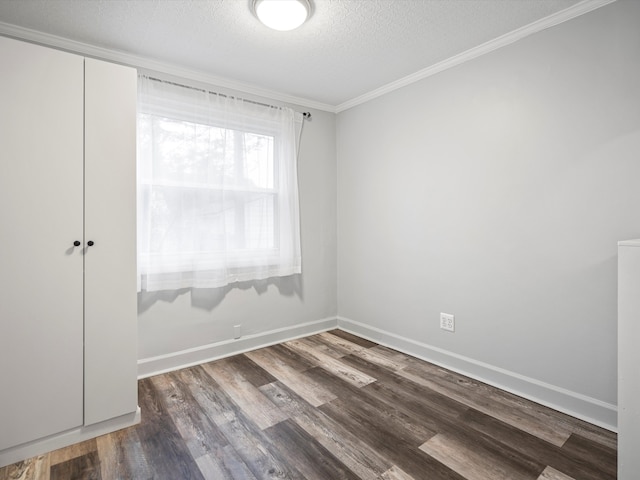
41 197
110 222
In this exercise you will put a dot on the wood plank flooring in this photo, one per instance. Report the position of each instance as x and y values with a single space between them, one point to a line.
327 407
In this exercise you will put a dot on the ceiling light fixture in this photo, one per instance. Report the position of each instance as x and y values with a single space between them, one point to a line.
282 15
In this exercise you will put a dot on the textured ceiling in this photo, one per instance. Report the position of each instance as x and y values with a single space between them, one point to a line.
347 49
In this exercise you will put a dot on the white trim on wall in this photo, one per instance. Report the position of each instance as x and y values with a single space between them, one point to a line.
572 403
136 61
574 11
148 367
88 50
575 404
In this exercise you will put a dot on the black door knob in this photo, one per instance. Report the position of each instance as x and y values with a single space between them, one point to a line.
90 243
76 243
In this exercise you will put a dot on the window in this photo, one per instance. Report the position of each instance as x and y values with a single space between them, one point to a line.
218 200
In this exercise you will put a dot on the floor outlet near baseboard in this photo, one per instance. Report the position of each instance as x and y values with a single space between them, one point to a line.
447 322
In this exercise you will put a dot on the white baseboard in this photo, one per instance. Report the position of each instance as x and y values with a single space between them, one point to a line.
572 403
64 439
575 404
148 367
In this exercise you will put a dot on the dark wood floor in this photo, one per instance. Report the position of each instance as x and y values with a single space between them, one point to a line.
327 407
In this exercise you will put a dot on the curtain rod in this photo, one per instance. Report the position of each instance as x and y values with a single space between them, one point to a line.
306 115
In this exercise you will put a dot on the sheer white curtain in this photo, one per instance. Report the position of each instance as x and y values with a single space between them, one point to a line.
218 191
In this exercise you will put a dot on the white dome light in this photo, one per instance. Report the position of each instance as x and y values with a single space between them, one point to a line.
282 15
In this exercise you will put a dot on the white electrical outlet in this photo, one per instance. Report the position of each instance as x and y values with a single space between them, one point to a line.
237 331
447 322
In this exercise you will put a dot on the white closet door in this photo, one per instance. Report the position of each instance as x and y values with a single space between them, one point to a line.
110 222
41 324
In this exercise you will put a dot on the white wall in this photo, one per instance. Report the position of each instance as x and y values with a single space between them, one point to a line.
496 191
172 322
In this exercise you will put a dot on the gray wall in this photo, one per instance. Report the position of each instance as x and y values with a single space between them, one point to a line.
496 191
171 322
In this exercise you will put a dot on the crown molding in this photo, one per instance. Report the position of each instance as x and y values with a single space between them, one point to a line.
562 16
136 61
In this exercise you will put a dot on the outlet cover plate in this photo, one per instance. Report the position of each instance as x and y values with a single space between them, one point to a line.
447 322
